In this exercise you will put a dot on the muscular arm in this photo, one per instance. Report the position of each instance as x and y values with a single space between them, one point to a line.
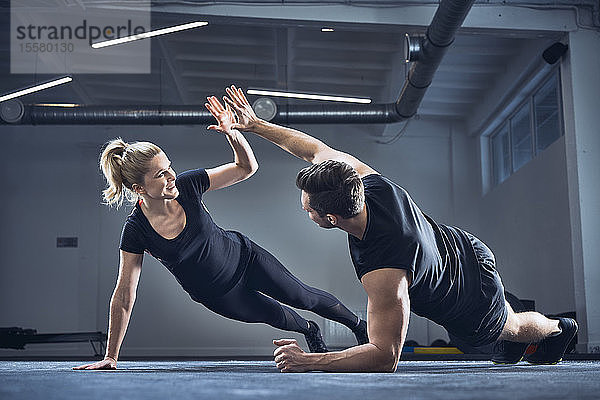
291 140
388 314
121 305
244 163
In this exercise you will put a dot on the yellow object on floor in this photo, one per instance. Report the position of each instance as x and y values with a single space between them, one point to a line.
436 350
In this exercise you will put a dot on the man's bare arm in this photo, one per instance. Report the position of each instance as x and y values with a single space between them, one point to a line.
291 140
388 314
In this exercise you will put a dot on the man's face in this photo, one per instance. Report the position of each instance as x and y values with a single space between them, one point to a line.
323 222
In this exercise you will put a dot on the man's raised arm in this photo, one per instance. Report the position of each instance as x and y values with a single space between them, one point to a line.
293 141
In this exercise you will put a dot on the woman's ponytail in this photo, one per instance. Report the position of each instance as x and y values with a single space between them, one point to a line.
124 164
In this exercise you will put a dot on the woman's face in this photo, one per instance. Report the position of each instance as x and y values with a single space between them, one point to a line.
159 181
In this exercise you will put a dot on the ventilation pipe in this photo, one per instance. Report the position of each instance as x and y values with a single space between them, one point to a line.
117 115
439 36
194 115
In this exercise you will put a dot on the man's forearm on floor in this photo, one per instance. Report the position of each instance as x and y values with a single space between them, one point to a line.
364 358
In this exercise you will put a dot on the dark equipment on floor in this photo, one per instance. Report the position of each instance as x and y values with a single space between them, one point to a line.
17 338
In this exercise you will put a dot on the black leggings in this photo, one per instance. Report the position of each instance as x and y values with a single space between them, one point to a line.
256 297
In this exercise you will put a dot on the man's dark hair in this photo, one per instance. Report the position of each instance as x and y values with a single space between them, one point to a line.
333 187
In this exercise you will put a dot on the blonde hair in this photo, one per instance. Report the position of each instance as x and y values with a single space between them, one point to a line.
124 164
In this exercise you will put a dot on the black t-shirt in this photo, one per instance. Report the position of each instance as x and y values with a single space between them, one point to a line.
205 259
440 258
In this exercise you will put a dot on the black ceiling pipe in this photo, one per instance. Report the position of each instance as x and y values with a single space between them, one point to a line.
197 115
439 36
336 114
117 115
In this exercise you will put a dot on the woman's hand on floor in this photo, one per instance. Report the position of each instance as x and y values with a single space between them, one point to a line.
107 363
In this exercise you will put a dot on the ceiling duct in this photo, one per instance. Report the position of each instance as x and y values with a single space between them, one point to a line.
439 36
197 115
117 115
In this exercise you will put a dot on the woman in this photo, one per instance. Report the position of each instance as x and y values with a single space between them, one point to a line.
224 270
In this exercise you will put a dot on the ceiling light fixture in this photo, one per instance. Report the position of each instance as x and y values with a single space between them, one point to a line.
150 34
265 108
65 105
327 30
308 96
36 88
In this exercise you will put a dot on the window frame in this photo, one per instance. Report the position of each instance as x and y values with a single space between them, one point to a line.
506 122
561 125
495 175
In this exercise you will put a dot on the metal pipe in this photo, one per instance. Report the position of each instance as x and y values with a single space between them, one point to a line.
182 115
440 34
118 115
337 114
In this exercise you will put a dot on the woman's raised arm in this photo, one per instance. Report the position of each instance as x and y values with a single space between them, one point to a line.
244 163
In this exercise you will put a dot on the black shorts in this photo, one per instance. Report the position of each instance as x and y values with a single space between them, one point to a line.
489 315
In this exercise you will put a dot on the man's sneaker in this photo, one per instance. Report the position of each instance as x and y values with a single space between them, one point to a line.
360 331
552 349
506 352
314 340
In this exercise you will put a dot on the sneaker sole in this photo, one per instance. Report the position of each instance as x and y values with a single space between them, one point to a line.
545 363
507 363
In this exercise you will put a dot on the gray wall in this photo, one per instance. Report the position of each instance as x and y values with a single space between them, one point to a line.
54 190
525 220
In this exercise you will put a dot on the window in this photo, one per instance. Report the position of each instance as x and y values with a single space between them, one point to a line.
547 121
534 125
501 155
520 135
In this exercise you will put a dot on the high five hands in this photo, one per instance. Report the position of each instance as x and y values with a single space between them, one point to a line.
237 100
226 118
242 117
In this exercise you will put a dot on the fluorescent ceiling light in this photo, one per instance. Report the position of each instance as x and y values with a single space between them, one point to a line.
327 29
36 88
150 34
66 105
308 96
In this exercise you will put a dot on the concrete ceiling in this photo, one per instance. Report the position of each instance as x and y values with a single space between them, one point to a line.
357 59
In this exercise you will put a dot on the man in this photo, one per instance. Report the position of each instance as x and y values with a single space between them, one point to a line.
404 260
